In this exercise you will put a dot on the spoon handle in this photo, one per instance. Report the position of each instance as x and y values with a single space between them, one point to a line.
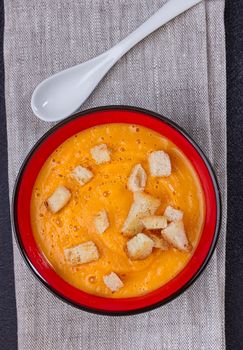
168 11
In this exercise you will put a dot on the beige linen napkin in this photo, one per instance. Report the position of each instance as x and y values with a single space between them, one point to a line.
178 71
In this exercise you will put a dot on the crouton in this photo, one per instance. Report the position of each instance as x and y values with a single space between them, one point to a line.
113 282
137 179
173 214
159 163
82 253
140 247
154 222
59 198
101 221
175 234
100 153
143 205
82 175
159 242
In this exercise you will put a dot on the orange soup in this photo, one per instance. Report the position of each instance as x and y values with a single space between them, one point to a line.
108 191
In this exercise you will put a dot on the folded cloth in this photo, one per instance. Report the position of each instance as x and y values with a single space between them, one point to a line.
178 71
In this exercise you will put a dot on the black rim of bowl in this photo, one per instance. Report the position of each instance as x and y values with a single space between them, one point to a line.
17 235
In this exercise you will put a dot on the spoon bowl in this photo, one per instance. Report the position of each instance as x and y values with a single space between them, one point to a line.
62 94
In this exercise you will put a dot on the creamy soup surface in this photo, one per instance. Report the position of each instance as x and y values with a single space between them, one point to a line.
107 190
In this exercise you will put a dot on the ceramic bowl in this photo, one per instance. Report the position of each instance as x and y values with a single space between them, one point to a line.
22 222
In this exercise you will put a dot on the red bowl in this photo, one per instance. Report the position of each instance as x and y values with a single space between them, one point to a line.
36 260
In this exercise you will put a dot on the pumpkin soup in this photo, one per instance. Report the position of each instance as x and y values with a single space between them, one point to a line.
117 210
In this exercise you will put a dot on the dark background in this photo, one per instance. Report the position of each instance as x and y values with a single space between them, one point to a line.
234 246
234 249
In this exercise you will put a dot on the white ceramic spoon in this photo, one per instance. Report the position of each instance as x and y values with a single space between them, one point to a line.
63 93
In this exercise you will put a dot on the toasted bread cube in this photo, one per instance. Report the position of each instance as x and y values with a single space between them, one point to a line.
101 221
59 198
175 234
148 203
173 214
159 242
140 247
82 175
113 282
133 224
154 222
137 179
159 164
100 153
82 253
143 205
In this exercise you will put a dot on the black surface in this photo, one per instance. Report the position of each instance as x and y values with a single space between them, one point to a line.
234 256
8 322
234 248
